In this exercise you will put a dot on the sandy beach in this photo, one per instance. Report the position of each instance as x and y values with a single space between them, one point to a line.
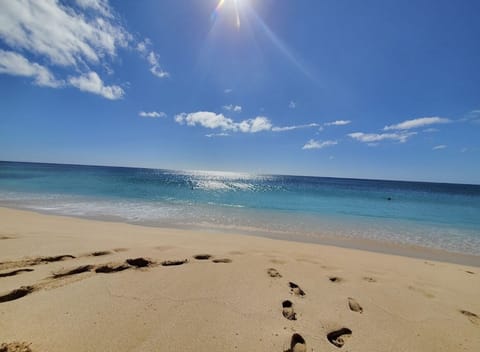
69 284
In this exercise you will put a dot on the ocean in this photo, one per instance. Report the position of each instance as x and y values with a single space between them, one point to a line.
312 209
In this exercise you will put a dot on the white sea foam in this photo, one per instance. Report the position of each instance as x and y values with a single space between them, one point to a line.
298 225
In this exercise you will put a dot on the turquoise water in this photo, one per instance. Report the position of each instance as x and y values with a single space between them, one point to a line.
442 216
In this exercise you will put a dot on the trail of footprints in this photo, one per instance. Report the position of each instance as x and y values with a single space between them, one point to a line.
132 263
297 342
335 337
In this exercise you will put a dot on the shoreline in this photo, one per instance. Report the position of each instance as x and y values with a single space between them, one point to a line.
363 244
70 284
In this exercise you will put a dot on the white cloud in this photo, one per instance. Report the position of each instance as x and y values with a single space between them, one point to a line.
60 33
206 119
212 120
292 105
441 146
234 108
431 130
222 134
338 123
294 127
402 137
152 58
92 83
100 6
313 144
142 47
228 90
153 114
72 35
415 123
257 124
155 69
16 65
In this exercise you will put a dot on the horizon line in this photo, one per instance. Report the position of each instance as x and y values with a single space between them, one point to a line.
242 172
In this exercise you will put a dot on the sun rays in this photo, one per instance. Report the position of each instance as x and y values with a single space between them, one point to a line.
222 4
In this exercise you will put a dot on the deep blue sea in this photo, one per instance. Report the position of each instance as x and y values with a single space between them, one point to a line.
434 215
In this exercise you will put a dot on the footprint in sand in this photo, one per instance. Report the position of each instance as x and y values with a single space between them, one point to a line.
16 294
273 272
15 347
3 237
202 256
354 305
474 319
297 344
139 262
100 253
222 260
288 311
174 262
295 289
74 271
335 279
34 261
111 268
14 272
336 337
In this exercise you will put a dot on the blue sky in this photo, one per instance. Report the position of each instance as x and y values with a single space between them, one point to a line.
370 89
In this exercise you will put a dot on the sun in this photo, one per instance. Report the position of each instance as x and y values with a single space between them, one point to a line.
234 4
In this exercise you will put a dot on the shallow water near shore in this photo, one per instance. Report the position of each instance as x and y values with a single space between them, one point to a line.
431 215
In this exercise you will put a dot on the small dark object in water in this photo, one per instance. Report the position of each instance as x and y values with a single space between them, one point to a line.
389 198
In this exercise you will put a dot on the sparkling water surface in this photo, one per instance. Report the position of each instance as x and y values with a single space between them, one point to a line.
441 216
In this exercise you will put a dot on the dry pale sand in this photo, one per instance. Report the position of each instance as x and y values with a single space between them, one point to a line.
53 299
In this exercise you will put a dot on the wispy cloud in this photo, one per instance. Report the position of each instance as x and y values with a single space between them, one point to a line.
228 90
145 49
234 108
438 147
153 114
415 123
60 33
72 36
292 105
222 134
213 120
100 6
15 64
155 69
338 123
294 127
472 116
313 144
401 137
92 83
